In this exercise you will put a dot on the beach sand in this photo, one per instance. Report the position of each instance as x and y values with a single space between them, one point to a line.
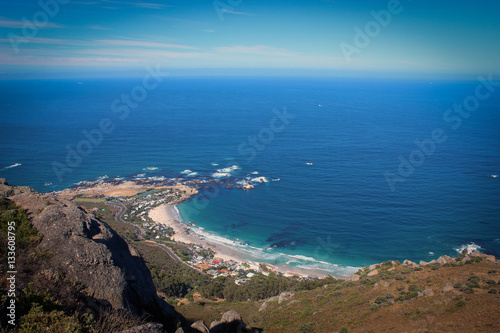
167 215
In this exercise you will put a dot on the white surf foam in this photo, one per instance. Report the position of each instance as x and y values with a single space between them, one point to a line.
12 166
260 180
469 247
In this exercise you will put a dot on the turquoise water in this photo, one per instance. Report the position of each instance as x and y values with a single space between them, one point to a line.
330 205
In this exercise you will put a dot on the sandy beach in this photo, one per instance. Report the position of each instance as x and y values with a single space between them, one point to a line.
166 214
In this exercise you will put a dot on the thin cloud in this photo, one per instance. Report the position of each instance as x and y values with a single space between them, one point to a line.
140 4
208 30
6 23
256 50
119 42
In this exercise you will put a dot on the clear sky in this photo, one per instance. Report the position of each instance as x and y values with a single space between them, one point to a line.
420 36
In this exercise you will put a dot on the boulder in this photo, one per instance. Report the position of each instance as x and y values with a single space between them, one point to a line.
466 258
423 263
372 267
230 322
410 263
444 260
285 296
354 278
267 301
200 326
373 273
426 292
490 258
447 288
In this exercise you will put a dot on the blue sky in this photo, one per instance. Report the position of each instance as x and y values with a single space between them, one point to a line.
448 37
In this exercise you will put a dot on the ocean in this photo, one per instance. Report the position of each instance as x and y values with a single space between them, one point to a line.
354 172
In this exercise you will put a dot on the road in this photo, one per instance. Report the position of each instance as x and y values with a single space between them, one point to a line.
140 234
173 255
119 215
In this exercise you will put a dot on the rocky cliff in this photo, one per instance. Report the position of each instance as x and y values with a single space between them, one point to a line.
88 253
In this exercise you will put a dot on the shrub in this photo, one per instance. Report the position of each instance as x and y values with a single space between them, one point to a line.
489 281
305 328
380 299
398 277
390 295
414 287
374 306
493 291
473 282
344 329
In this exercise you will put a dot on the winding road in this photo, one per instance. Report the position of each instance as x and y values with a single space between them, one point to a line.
140 233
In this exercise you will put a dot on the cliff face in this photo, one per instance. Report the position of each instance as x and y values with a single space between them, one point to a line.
92 255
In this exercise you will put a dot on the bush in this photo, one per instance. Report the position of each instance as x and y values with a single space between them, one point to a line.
414 287
374 306
473 282
344 329
390 295
55 321
305 328
398 277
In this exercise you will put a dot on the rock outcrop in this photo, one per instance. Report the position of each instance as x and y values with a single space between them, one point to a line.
7 190
88 253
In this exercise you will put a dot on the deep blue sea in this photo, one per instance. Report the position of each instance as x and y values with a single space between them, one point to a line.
326 202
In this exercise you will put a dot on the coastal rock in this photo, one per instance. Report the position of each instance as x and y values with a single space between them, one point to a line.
466 258
285 296
146 328
391 269
423 263
447 288
373 273
490 258
267 301
410 263
7 190
200 326
372 267
475 254
354 278
444 260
